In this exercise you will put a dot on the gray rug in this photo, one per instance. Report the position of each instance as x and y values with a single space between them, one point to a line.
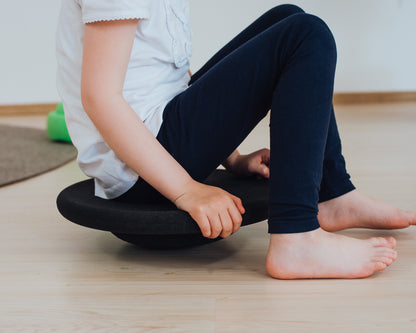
27 152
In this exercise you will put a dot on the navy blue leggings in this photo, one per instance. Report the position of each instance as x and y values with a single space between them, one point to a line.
284 62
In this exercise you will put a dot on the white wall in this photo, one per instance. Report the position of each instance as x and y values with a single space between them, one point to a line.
375 40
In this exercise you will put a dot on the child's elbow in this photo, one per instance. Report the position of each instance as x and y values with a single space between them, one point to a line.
94 99
90 97
88 100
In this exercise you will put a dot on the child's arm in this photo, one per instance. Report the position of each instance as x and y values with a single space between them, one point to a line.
107 49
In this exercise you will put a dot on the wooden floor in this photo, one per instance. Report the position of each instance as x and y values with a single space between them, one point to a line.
58 276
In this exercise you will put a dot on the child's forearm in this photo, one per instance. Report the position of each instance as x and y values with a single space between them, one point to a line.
134 144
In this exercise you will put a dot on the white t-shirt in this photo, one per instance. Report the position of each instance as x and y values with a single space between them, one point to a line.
157 72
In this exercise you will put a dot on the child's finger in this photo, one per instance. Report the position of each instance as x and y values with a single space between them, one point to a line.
266 156
236 218
227 224
238 203
265 171
215 222
204 225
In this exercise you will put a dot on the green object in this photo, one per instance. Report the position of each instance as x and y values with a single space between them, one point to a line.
56 126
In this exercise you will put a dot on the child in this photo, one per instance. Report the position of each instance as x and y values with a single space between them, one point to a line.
137 117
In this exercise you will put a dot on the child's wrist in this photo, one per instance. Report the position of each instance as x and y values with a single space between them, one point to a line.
187 187
231 161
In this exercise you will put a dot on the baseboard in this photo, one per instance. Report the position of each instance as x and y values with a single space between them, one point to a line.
339 98
26 109
375 97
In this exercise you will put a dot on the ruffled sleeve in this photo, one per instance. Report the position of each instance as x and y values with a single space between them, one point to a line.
178 24
108 10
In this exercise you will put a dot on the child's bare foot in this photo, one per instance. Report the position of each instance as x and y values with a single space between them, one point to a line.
356 210
320 254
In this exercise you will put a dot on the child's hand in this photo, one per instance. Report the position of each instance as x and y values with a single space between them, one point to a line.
254 163
217 212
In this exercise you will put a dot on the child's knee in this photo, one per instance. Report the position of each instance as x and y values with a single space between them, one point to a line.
312 28
280 12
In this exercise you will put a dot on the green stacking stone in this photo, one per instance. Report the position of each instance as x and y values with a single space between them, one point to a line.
56 126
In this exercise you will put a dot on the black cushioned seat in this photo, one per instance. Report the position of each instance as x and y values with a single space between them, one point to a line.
158 224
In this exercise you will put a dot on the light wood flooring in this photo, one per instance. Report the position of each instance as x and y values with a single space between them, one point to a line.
56 276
